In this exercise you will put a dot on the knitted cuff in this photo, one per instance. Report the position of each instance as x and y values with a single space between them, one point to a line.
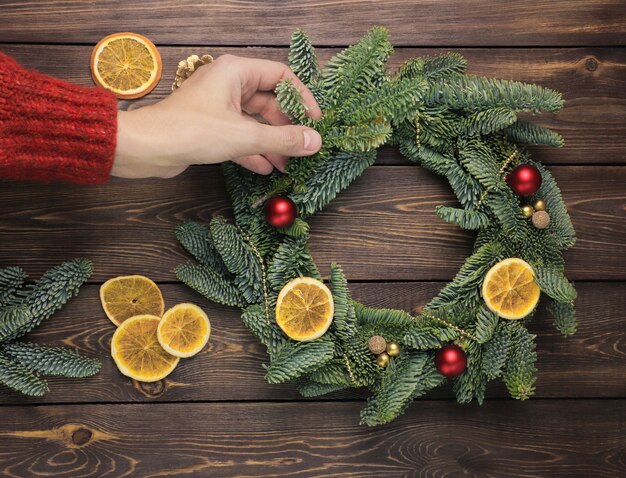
52 130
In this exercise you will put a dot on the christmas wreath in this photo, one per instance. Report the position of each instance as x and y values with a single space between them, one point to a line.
463 127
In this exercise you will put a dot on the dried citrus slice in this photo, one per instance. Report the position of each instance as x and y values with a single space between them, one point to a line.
126 296
304 309
510 290
128 64
184 330
136 350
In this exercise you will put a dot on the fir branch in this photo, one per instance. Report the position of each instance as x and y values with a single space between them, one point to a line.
265 328
488 121
486 323
519 374
11 280
554 284
495 352
55 361
14 375
344 321
196 239
396 390
52 291
239 259
302 57
464 218
473 382
564 317
13 321
210 284
294 360
314 389
290 101
473 93
330 178
531 133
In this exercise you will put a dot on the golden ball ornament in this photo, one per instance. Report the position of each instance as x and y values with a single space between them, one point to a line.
393 349
541 219
528 211
540 205
383 360
377 344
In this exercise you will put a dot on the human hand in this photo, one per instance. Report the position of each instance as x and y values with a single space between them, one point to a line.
209 120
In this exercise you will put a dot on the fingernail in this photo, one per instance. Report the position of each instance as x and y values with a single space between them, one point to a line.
312 140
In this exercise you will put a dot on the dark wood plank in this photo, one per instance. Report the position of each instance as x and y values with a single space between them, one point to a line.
434 439
592 81
376 232
591 363
250 22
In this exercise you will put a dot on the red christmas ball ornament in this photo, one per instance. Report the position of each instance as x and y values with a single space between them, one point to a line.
524 180
280 211
450 360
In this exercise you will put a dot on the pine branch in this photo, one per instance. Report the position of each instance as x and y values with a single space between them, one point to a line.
488 121
313 389
554 284
55 361
265 328
464 218
434 67
20 379
196 239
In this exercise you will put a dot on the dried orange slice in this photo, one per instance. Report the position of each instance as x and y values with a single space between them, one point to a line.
184 330
128 64
136 350
304 309
126 296
510 290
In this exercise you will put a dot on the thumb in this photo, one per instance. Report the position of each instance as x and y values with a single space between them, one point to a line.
289 140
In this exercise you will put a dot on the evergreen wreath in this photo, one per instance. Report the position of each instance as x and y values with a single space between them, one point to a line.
459 126
22 308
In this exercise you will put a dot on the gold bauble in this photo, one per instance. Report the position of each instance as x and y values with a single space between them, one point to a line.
377 344
382 360
393 349
540 205
541 219
528 211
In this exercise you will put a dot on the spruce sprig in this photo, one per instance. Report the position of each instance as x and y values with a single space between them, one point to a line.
24 308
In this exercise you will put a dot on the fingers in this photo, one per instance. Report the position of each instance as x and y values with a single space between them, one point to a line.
287 140
265 104
263 75
255 163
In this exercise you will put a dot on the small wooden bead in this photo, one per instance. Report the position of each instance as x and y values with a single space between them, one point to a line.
377 344
541 219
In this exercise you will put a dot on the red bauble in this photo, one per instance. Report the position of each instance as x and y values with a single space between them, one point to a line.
280 211
450 360
524 180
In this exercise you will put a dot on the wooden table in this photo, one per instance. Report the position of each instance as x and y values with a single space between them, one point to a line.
215 415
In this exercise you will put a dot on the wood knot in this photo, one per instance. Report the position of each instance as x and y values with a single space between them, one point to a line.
81 436
152 389
591 64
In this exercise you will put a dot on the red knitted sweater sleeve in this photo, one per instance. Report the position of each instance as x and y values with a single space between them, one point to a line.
52 130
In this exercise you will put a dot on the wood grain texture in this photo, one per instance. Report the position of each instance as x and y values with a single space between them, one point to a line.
381 228
555 438
253 22
592 81
591 363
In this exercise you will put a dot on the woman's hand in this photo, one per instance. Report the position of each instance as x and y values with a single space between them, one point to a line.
209 120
